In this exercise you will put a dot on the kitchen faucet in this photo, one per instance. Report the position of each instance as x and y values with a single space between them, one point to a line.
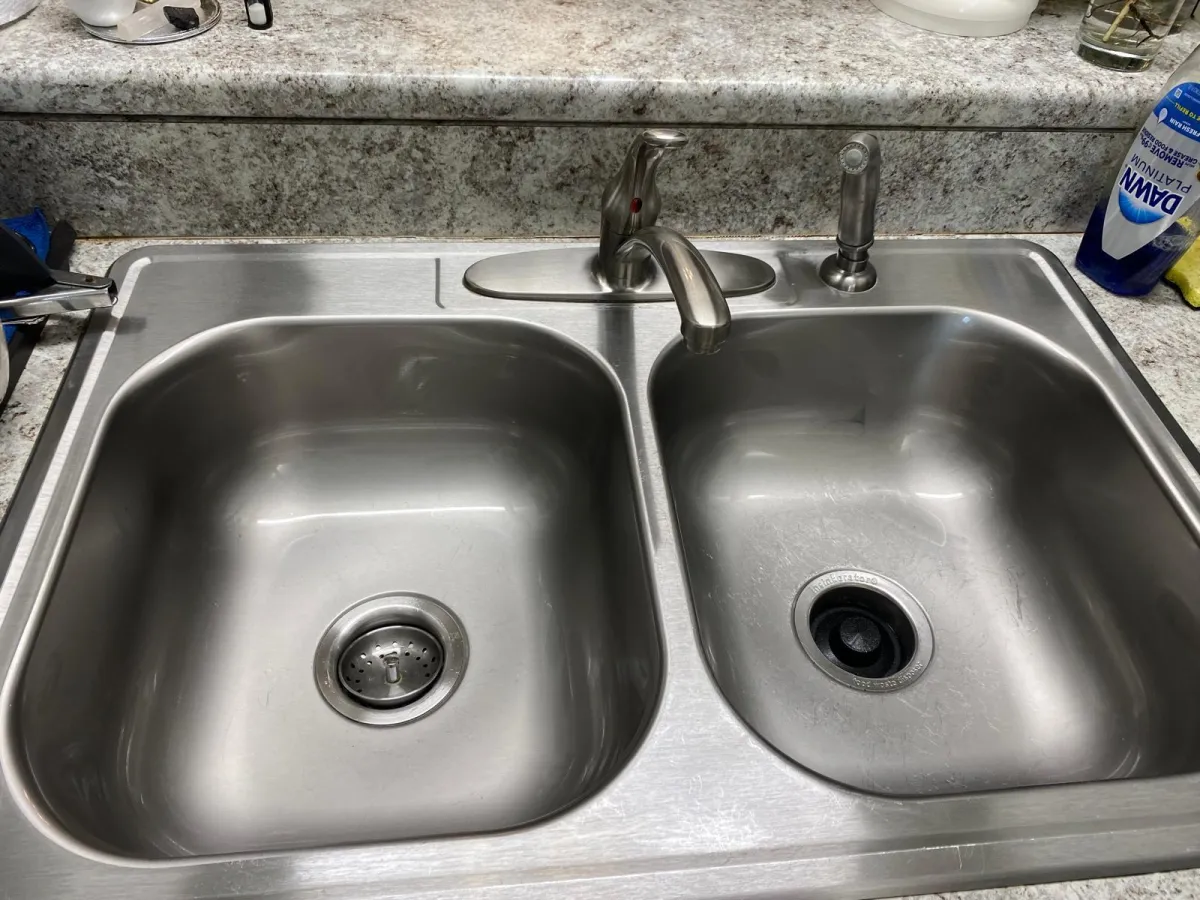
637 261
629 239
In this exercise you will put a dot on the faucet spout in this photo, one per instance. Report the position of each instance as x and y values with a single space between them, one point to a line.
703 311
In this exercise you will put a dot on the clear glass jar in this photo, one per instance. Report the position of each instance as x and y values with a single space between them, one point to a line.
1125 34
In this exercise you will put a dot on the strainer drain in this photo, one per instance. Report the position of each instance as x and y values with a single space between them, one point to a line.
390 666
391 659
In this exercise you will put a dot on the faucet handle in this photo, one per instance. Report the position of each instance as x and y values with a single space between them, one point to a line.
631 201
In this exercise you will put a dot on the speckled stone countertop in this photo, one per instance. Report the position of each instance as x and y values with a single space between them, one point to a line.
1159 332
780 62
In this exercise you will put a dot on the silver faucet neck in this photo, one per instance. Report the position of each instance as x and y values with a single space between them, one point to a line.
703 312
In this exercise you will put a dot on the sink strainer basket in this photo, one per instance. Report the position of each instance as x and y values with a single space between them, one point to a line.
390 666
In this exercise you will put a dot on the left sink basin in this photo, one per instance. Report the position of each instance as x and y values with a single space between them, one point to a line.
259 480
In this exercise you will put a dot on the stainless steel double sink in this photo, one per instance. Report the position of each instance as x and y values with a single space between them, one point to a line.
672 574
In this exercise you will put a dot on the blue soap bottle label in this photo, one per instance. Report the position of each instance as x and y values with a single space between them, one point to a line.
1158 181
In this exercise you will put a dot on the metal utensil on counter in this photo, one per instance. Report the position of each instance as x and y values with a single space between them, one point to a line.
30 289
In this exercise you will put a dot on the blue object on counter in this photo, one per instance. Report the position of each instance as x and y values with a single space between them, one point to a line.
35 229
1137 273
1143 225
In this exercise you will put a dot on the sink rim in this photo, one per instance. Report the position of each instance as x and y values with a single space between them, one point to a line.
875 849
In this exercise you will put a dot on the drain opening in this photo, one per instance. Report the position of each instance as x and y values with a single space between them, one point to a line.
391 659
863 630
390 666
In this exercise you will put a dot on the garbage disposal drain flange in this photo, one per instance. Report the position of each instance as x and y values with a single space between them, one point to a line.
863 630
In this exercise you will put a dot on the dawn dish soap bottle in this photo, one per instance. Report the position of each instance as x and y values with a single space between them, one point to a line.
1139 230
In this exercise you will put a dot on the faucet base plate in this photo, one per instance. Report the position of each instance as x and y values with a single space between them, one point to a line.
569 274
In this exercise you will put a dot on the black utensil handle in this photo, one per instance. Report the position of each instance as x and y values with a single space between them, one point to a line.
62 242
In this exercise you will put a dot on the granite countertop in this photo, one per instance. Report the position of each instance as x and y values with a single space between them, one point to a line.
1159 332
779 62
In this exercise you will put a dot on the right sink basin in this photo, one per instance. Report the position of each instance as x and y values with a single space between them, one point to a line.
885 513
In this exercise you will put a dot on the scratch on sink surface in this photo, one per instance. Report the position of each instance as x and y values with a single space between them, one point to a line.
905 702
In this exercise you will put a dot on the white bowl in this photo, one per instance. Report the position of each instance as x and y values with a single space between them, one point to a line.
102 12
973 18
